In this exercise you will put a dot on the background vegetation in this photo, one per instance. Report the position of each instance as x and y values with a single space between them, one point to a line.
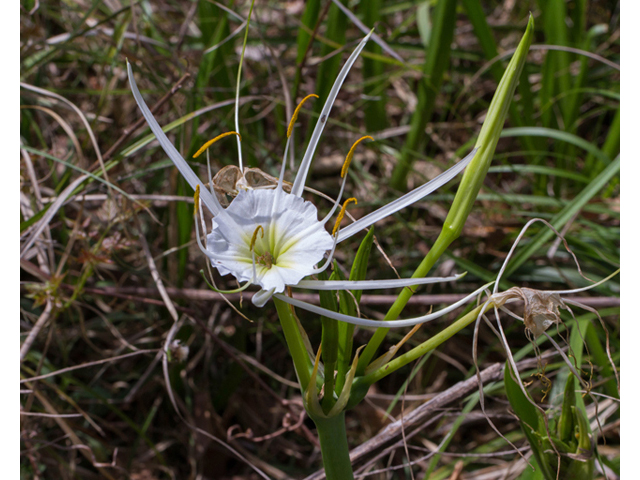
103 211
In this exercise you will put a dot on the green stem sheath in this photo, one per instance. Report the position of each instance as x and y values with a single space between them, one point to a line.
295 343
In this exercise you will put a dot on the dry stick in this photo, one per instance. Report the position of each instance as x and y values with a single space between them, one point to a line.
65 126
46 261
51 415
138 123
185 26
53 209
87 364
44 316
101 197
389 450
209 295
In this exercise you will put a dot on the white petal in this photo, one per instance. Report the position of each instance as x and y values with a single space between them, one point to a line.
260 298
408 322
372 284
406 200
301 176
209 200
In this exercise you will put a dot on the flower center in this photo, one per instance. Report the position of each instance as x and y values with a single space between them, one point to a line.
266 260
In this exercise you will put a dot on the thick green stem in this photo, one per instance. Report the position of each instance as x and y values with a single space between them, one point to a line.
332 434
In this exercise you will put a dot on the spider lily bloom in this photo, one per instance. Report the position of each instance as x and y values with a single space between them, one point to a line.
273 239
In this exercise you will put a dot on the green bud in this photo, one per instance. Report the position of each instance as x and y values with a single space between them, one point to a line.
474 174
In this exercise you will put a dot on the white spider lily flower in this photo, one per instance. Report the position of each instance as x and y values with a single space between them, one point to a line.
274 239
291 240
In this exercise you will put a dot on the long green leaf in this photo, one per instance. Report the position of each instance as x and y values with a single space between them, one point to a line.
558 135
530 417
436 63
559 220
330 342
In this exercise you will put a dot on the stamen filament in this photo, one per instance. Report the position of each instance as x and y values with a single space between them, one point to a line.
284 165
199 204
321 269
336 204
341 214
213 286
347 161
210 176
210 255
214 140
294 117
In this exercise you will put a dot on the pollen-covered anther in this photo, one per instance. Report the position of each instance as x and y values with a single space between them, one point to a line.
341 214
196 200
347 161
214 140
260 230
294 117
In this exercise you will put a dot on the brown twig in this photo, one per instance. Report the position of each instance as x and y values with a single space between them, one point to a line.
44 316
211 296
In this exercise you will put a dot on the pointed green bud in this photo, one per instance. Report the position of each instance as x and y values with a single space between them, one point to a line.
473 177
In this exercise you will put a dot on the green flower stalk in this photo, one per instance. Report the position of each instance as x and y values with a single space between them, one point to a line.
473 177
470 184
